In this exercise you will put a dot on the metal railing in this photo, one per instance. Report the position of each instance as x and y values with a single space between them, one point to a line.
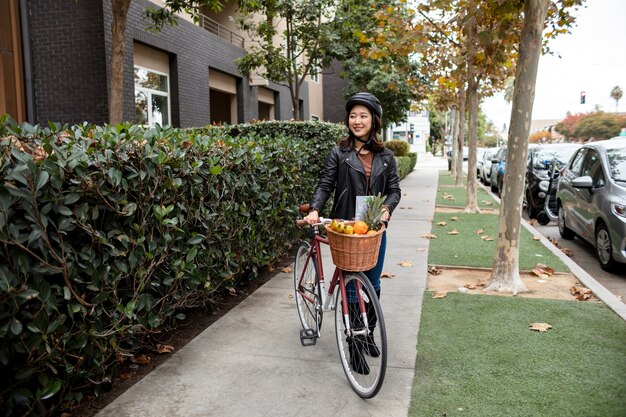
221 31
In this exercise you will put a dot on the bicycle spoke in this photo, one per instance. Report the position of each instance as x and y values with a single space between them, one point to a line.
361 339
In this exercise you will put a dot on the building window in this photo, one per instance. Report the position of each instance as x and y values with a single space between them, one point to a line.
152 100
315 71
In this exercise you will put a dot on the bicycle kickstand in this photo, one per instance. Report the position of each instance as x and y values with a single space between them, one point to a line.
308 337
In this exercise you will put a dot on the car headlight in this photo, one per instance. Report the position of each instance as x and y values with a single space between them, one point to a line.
543 185
618 209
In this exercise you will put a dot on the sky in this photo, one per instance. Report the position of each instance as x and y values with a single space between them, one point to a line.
592 59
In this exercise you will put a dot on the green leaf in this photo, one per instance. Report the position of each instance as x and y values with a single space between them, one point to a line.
191 254
5 198
64 211
36 233
216 170
195 240
42 179
50 389
16 327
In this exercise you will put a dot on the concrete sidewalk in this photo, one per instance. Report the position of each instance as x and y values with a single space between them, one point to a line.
251 363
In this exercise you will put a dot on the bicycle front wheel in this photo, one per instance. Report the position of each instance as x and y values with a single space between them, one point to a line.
362 346
307 288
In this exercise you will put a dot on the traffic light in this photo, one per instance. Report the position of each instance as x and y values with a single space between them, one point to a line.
583 96
412 127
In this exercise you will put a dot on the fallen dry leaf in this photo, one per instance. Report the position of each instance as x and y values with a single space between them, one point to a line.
440 294
434 270
406 264
554 241
287 269
581 293
232 291
454 232
125 375
540 327
441 224
141 359
410 208
567 251
470 286
479 231
401 207
454 218
489 203
542 271
536 237
532 222
387 275
420 249
429 236
164 348
486 238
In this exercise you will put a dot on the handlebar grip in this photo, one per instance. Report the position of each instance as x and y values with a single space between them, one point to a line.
301 222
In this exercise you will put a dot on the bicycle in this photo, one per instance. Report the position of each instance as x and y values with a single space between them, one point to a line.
359 322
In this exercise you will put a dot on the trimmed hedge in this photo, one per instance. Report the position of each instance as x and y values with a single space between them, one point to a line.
406 164
108 234
398 147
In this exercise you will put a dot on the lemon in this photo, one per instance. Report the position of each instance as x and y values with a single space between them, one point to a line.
333 225
340 227
349 230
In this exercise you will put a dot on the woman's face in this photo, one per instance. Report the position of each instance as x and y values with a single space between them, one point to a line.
360 121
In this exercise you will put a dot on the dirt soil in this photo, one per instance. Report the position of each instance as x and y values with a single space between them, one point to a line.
197 321
555 287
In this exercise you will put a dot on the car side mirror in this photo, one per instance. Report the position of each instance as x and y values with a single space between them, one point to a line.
583 182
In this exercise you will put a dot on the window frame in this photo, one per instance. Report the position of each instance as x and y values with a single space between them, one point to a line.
149 92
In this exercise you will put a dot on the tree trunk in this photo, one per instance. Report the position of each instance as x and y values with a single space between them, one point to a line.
118 47
453 130
459 139
505 275
471 205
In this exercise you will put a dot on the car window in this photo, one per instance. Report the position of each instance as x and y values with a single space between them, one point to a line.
542 158
591 162
598 176
617 164
577 163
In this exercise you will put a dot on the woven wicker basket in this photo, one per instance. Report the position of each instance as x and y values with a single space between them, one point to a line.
354 252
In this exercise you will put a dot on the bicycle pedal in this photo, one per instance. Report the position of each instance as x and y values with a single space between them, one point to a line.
308 337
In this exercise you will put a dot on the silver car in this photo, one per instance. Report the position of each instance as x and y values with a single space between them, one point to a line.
591 199
484 165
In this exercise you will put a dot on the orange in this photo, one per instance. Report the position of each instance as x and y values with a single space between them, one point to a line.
360 227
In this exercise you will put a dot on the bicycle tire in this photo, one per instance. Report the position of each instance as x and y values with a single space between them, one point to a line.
366 386
309 311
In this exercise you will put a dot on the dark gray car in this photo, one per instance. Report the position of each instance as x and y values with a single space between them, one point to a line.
591 199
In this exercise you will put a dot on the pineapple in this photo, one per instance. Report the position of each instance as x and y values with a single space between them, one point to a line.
373 212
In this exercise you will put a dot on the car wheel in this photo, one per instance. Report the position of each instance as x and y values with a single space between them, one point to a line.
604 249
564 231
493 185
500 187
530 208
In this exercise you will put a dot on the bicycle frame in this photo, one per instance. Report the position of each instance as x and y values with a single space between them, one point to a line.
327 296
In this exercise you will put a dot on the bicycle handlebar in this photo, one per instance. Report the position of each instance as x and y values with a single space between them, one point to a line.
322 220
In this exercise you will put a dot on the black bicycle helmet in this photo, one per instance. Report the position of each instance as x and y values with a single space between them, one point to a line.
368 100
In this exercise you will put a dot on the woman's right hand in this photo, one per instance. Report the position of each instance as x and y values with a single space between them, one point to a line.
312 217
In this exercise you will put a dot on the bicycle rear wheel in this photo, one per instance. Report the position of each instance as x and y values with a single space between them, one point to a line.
357 347
307 289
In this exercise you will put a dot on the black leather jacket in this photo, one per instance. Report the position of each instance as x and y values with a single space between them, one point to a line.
344 174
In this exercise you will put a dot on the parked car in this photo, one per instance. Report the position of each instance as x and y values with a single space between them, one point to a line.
540 159
484 164
591 199
496 173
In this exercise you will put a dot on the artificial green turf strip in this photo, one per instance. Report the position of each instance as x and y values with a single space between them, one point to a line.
446 179
468 249
476 353
460 197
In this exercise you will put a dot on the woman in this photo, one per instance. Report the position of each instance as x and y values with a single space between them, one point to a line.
360 165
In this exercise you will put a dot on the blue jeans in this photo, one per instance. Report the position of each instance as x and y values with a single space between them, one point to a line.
373 274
